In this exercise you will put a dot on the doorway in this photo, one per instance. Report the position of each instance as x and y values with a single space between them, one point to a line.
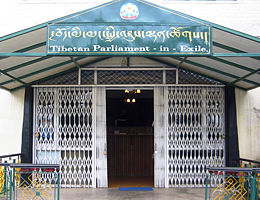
130 137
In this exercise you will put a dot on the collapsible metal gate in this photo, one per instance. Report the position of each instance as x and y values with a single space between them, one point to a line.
189 132
195 138
64 133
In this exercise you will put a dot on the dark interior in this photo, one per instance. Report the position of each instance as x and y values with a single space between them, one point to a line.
130 138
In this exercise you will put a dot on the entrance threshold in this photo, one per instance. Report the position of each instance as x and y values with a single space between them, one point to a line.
131 181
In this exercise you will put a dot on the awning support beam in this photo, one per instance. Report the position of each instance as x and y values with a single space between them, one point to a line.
232 64
234 32
42 70
4 88
236 55
63 72
232 49
12 77
215 70
244 77
22 54
174 66
128 61
180 63
76 63
35 46
26 64
47 78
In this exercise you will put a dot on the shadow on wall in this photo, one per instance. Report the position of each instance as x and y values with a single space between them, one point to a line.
257 112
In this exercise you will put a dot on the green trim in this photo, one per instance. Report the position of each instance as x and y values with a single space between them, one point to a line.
215 70
4 88
46 78
234 32
128 61
57 74
22 54
222 46
235 50
232 64
70 70
42 70
75 62
35 46
58 190
223 28
26 64
203 75
43 25
244 77
95 61
162 62
28 48
12 77
236 54
22 32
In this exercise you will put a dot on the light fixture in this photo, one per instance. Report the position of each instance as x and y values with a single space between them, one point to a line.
130 95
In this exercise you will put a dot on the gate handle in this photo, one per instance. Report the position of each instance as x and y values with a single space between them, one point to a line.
105 149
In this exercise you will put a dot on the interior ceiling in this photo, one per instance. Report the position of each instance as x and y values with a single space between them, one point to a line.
235 60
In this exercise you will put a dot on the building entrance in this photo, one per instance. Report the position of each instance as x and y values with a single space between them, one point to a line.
130 137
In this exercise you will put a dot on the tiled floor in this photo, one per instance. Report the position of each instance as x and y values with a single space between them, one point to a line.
115 194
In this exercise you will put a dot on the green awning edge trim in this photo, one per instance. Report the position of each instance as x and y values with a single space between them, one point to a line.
236 54
61 73
244 77
37 60
43 25
4 88
203 75
45 78
242 67
22 54
40 71
215 70
12 77
32 47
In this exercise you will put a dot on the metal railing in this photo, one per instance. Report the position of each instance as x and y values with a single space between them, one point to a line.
4 180
34 181
10 158
249 163
5 161
236 183
28 181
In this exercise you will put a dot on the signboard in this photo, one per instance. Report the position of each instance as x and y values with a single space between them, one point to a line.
128 39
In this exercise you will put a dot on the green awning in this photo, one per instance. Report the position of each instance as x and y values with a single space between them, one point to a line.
235 60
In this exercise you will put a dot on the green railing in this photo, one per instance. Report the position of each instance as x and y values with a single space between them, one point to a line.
29 181
5 161
235 183
33 181
4 177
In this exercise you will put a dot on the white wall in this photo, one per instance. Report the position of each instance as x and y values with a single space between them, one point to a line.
248 120
241 15
11 118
